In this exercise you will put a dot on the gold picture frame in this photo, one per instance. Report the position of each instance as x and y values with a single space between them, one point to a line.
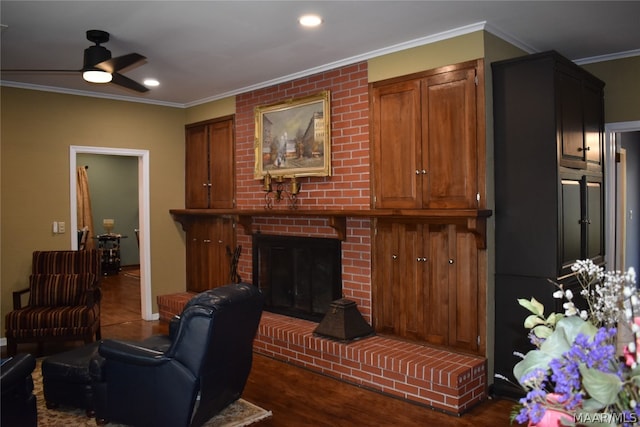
293 138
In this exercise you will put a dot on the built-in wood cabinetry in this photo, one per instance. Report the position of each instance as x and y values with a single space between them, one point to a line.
427 283
209 183
424 132
549 128
207 240
580 113
428 154
209 166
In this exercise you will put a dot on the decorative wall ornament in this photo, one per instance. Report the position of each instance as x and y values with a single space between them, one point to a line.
293 138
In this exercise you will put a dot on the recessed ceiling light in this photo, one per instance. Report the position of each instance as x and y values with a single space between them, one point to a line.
310 20
151 82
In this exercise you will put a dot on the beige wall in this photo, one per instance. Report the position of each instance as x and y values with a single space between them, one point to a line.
37 130
622 90
421 58
211 110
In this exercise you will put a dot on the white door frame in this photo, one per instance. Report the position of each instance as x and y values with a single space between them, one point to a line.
143 211
611 144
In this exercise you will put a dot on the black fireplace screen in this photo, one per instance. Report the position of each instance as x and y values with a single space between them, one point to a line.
300 276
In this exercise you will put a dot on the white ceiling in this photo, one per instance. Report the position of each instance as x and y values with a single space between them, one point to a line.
206 50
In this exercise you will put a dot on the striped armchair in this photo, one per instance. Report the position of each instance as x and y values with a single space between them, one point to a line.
64 300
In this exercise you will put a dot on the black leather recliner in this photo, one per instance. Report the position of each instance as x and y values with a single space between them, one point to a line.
208 353
18 402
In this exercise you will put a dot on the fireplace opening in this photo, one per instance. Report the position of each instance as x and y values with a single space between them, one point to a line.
299 276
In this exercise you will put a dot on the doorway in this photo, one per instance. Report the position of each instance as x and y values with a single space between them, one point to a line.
143 209
618 179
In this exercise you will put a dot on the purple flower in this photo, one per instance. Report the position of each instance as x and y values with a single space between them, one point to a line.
532 408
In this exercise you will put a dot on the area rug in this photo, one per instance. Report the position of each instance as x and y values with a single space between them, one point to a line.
239 414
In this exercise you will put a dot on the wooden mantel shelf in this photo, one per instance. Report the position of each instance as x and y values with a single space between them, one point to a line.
474 220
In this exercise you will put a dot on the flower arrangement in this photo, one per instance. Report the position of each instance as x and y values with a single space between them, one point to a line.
575 375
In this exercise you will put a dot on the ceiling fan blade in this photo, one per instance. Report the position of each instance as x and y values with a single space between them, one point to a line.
123 81
26 71
119 63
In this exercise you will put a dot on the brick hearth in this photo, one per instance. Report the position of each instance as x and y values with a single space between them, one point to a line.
436 378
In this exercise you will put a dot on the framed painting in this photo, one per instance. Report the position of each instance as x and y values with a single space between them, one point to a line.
293 138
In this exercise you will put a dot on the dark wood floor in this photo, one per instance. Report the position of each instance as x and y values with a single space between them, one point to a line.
297 397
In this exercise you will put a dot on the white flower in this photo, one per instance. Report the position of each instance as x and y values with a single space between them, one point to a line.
558 294
569 309
568 294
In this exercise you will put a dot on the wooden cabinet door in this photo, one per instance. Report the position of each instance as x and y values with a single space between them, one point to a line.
570 122
594 221
464 293
399 296
582 219
570 239
436 305
426 283
593 113
449 147
386 263
452 289
207 261
197 168
210 165
221 165
396 145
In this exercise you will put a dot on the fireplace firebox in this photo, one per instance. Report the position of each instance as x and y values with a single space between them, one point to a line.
299 276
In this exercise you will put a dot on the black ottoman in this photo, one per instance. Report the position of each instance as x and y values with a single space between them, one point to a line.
66 379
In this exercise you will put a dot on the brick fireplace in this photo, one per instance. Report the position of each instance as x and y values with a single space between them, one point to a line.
436 378
428 376
299 276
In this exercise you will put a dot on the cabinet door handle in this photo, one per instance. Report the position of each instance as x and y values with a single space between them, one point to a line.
394 256
585 149
424 172
417 172
451 261
207 240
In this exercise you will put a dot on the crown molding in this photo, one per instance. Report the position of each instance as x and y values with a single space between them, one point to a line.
30 86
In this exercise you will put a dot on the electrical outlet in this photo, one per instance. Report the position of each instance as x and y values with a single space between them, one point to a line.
61 227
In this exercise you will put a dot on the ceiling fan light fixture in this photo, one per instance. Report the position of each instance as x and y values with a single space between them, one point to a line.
96 76
310 20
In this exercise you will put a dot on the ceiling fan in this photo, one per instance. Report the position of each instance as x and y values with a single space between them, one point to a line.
100 67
